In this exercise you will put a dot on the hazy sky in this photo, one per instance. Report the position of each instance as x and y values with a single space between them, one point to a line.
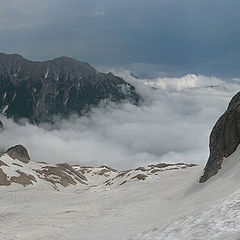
193 36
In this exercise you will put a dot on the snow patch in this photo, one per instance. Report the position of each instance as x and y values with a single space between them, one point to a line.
46 74
5 109
4 96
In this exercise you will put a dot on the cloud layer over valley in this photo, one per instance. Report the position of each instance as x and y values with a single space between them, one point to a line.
172 125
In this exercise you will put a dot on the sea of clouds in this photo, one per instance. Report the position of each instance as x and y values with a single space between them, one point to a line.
172 125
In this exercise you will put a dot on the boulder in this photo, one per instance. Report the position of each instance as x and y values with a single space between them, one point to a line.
19 152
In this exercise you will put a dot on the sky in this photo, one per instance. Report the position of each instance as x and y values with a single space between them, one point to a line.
176 37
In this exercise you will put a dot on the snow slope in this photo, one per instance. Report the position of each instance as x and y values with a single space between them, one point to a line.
169 205
213 211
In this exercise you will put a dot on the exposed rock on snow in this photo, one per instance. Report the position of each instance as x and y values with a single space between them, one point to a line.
3 179
62 174
23 178
104 176
3 164
224 138
16 167
19 152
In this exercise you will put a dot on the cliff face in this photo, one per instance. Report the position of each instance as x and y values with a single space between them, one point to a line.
224 138
39 90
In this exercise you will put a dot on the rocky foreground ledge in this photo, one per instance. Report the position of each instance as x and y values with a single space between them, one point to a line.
17 168
224 138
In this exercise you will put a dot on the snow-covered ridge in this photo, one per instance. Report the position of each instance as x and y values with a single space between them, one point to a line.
15 169
105 176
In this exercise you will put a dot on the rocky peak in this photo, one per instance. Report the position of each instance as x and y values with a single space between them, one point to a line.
224 138
19 152
62 86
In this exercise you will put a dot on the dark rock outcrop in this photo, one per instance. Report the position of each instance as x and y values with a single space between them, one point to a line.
19 152
23 179
3 179
39 90
62 174
224 138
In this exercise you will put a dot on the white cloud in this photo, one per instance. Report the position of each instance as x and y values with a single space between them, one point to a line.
173 125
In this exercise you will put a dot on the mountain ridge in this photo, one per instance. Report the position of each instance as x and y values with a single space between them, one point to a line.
62 86
16 167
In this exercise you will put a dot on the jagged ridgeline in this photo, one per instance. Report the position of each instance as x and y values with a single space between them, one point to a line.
39 90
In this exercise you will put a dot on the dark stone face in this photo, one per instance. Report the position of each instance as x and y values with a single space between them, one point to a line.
19 152
39 90
224 138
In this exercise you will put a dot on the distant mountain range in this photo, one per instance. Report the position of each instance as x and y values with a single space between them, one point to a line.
39 90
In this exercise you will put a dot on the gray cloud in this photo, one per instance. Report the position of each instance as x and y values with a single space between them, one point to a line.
190 36
172 126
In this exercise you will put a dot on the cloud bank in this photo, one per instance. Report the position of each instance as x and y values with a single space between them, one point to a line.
173 125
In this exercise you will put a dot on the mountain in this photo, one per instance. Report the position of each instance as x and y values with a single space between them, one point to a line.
62 86
161 201
224 138
17 168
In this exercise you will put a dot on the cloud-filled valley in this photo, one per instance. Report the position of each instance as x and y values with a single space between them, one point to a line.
172 125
